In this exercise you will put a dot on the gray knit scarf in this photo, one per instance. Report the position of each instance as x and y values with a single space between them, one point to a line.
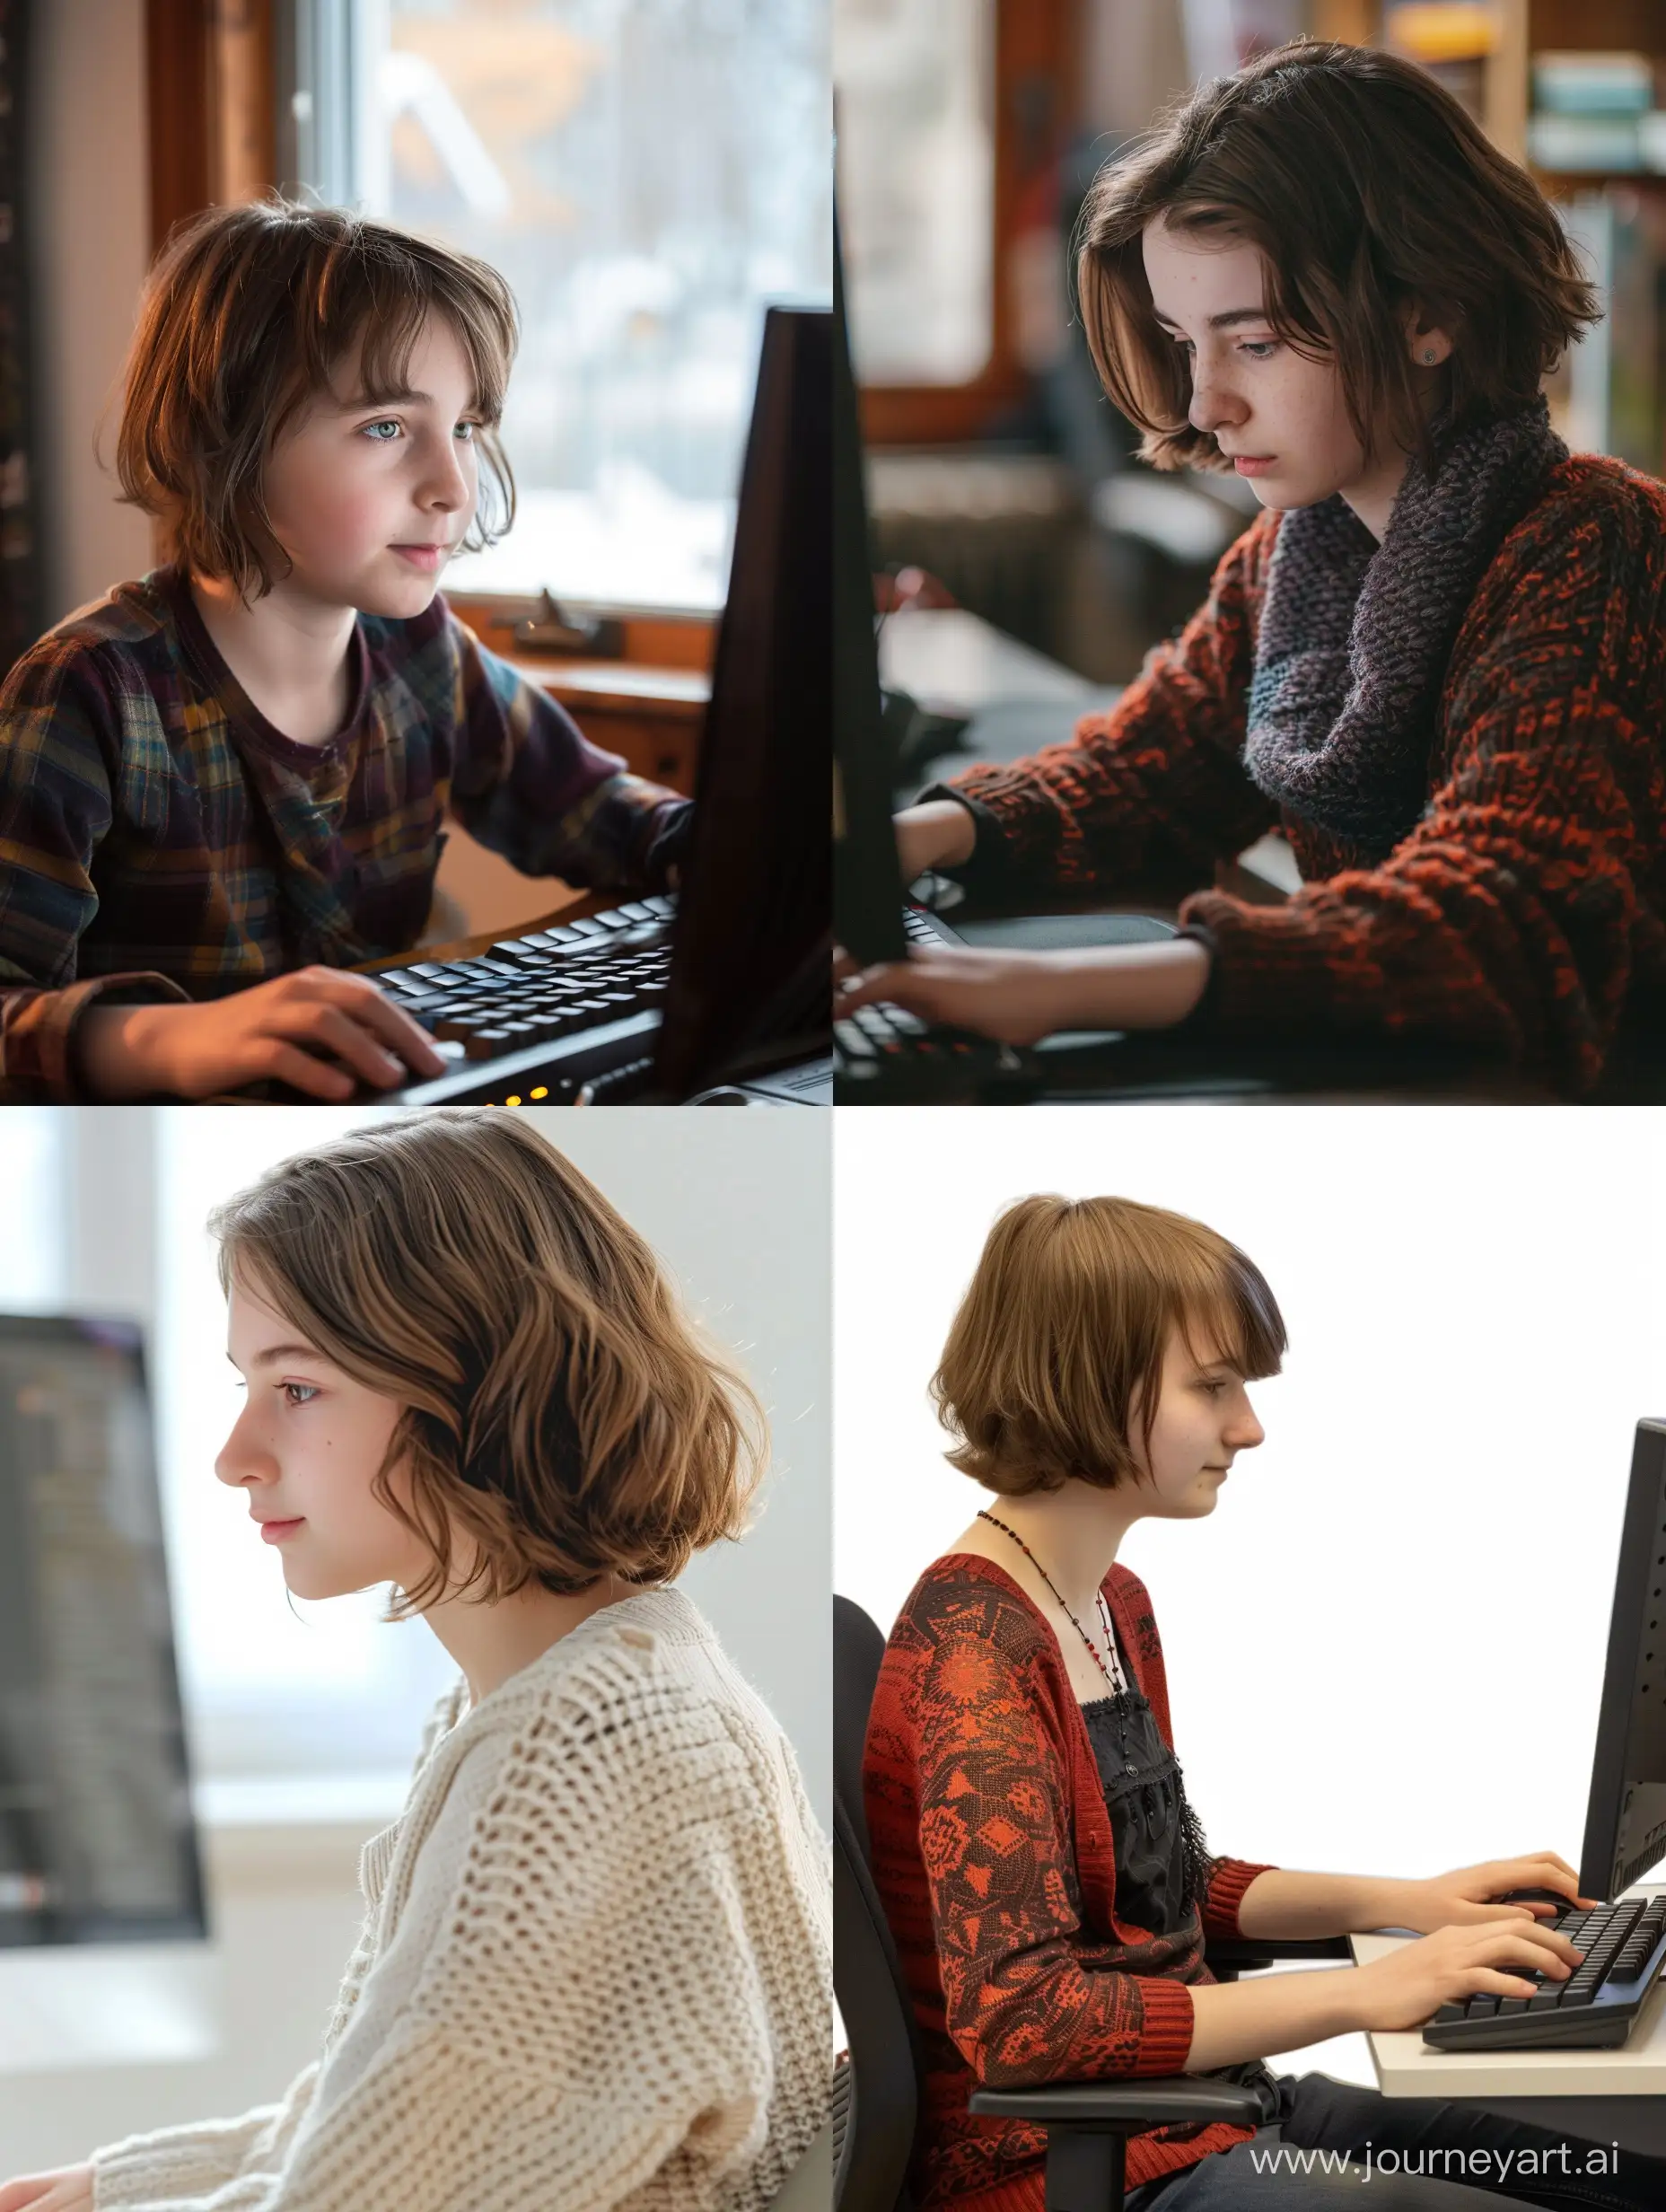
1355 637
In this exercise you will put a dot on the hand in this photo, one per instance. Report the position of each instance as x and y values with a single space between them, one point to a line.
1013 996
1017 997
254 1035
1468 1896
940 833
1411 1985
69 2188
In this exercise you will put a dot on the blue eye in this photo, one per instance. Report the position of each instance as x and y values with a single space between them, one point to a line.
298 1393
392 423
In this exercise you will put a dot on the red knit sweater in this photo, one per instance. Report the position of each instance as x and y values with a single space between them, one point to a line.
993 1854
1525 912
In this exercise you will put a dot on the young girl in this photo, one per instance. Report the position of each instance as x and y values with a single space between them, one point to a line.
1435 662
225 782
1048 1884
596 1966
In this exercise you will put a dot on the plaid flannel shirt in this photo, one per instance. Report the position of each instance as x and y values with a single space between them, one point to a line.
160 840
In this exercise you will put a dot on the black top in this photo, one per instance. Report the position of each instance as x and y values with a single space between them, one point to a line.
1161 1855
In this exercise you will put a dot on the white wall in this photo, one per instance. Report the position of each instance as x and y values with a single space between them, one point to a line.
738 1206
1385 1646
87 211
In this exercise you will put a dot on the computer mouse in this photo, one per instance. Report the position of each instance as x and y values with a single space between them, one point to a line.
1536 1897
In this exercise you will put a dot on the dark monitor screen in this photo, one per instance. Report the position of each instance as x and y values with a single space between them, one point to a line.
1626 1817
867 881
97 1841
749 963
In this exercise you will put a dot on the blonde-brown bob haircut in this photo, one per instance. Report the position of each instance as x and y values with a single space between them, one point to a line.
560 1409
1064 1328
251 311
1368 189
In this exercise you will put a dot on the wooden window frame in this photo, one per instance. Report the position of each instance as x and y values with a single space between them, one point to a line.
1036 50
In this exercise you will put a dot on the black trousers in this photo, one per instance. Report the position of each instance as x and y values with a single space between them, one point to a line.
1334 2143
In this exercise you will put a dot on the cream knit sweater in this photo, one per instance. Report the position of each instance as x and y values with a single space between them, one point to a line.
596 1971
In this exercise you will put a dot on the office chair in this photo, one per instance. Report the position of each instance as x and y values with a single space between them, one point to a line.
1087 2123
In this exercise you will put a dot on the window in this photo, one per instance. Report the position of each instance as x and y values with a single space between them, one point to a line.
322 1688
36 1208
917 184
647 174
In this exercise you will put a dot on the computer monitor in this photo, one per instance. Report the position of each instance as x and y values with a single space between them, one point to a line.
748 987
867 878
98 1845
1626 1815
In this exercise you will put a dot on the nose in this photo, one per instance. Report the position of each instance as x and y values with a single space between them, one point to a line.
1244 1432
1212 402
244 1457
446 485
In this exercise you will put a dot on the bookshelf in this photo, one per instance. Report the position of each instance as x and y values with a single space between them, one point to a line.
1529 72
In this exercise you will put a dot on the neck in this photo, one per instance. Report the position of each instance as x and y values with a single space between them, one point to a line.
492 1642
287 645
1074 1533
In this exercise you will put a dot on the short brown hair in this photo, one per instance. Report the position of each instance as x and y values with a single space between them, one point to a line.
559 1406
1065 1323
1367 187
246 314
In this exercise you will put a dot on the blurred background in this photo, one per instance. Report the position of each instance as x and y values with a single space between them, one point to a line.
301 1719
649 175
969 131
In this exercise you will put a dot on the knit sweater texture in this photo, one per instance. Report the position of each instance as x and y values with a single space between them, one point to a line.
595 1970
1524 912
993 1857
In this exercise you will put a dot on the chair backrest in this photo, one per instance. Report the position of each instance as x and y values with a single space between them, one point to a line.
877 2140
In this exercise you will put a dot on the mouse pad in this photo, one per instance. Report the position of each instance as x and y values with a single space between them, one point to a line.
1059 933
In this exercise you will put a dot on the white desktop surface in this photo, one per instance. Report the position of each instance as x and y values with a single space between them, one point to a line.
1406 2067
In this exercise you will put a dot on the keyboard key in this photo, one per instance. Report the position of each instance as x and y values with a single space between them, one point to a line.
615 917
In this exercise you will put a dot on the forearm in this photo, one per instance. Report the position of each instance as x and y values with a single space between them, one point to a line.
1284 1902
1232 2021
1132 986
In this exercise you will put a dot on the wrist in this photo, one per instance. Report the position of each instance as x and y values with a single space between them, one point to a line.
122 1051
946 830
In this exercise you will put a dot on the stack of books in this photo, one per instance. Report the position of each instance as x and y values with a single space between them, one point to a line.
1596 112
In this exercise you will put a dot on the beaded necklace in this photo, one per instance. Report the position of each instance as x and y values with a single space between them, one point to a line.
1117 1680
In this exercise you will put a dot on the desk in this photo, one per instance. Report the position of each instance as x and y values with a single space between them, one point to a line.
1605 2095
1014 701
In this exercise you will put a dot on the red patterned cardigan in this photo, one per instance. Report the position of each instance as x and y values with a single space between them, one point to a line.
992 1852
1526 911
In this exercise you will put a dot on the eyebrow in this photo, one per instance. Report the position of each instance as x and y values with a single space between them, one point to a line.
274 1353
389 398
1219 322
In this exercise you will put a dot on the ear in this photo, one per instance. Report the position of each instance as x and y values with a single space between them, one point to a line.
1429 343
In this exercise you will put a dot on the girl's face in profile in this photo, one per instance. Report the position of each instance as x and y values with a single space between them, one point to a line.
305 1448
1203 1420
349 484
1256 396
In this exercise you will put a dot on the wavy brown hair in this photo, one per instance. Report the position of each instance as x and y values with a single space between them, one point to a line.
560 1409
247 314
1368 189
1063 1330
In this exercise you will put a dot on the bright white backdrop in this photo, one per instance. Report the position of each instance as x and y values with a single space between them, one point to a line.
1385 1646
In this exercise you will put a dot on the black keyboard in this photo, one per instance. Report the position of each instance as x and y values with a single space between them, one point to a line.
1625 1948
555 1012
885 1052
